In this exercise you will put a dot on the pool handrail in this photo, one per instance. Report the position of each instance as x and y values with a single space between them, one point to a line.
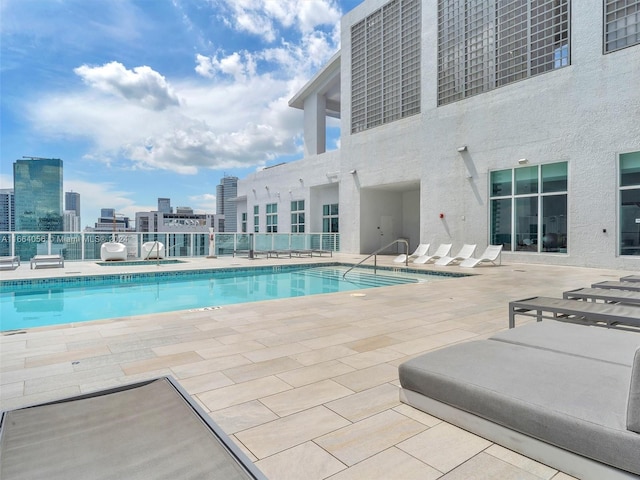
375 256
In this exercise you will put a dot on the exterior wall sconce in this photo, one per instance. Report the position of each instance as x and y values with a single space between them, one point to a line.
523 161
266 187
462 149
353 172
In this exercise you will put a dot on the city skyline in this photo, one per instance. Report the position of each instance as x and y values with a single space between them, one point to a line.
143 100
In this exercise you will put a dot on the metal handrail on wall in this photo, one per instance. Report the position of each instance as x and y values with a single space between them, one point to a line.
375 256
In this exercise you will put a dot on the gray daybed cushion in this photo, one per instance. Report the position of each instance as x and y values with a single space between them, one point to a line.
633 409
568 401
591 341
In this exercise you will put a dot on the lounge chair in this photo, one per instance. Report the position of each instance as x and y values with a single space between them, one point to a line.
47 261
491 254
147 430
153 250
628 297
589 313
12 262
422 249
465 252
113 251
611 284
630 278
442 251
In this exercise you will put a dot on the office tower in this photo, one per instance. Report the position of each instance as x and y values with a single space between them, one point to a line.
226 192
38 194
7 210
164 205
37 187
72 205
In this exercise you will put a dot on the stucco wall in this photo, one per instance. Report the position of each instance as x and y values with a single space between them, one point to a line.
585 114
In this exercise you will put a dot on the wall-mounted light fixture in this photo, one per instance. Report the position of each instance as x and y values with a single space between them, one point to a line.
462 149
266 187
523 161
300 180
353 172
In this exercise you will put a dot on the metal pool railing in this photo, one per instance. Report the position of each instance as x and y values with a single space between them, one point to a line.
86 245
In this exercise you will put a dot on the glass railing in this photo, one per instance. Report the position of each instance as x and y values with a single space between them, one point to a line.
87 245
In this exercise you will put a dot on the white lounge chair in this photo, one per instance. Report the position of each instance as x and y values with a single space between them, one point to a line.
112 251
443 250
465 252
491 254
153 250
422 249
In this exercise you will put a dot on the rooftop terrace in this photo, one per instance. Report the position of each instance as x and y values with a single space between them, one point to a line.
307 387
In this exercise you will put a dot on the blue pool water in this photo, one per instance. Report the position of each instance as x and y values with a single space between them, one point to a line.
68 300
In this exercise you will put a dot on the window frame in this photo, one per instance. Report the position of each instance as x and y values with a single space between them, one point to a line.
516 200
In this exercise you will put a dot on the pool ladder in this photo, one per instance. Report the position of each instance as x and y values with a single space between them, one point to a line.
375 256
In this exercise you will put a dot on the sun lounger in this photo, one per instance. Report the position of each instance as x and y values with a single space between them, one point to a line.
563 394
12 262
277 253
634 286
321 252
422 249
442 251
606 295
47 261
491 254
302 252
630 278
465 253
147 430
574 311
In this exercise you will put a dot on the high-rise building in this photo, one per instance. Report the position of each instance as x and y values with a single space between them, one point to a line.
72 207
110 221
7 210
37 186
164 205
226 192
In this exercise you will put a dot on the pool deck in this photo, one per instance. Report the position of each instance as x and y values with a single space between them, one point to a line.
307 386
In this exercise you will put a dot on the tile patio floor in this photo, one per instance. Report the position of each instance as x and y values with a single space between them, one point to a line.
307 387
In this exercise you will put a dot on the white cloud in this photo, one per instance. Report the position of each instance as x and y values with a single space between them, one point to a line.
142 85
233 114
205 203
96 196
263 17
239 65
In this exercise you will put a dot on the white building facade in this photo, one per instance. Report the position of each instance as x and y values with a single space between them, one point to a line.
508 122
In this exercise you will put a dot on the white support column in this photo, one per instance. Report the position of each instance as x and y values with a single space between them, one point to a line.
315 128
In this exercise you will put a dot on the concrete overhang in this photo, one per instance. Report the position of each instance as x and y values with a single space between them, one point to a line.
326 82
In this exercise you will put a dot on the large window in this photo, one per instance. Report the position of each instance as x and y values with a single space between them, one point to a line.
256 218
272 218
630 204
622 24
330 218
485 44
385 65
297 216
529 208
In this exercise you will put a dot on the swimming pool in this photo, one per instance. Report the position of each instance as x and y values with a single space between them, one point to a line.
54 301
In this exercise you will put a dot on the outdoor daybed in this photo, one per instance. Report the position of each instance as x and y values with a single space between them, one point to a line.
566 395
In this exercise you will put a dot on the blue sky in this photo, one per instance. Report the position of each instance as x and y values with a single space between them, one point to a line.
158 98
